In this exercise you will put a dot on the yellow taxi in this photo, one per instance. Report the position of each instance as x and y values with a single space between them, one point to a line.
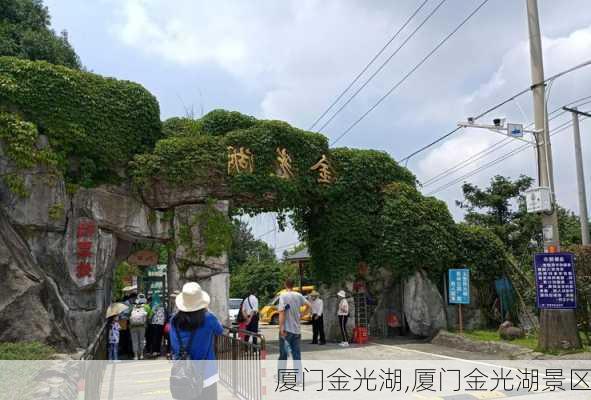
269 313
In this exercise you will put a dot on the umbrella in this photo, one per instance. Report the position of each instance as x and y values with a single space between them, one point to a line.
116 309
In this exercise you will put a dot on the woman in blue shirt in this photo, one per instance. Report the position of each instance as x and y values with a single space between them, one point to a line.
193 319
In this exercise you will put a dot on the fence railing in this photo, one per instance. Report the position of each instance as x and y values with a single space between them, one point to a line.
239 354
94 372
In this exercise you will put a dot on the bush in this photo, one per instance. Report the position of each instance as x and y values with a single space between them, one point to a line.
220 122
177 126
94 124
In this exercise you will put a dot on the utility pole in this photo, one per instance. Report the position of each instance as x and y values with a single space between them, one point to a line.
580 174
558 328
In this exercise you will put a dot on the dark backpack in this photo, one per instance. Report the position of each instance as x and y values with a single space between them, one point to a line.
186 379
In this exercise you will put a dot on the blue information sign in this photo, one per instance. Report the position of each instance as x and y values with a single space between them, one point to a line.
459 286
555 280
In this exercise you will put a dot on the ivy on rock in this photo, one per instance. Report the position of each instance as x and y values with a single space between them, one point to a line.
94 124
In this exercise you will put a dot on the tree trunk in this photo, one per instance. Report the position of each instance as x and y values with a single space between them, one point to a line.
558 330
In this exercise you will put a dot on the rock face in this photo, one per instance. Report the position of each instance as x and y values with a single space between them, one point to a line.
423 306
58 252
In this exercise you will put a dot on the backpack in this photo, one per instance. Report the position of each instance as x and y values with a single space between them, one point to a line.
159 317
186 380
138 316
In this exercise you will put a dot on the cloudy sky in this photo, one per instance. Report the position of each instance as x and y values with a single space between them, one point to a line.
290 59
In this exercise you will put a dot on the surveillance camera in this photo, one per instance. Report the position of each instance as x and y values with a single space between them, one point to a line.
497 121
470 120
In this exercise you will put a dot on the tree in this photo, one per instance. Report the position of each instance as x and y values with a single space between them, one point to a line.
25 33
501 208
245 247
264 277
569 226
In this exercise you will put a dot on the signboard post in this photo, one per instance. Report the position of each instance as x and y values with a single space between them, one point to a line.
555 281
459 291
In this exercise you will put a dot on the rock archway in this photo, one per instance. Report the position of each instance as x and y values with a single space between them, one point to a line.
88 167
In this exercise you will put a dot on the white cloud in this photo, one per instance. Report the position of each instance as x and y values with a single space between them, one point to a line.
513 72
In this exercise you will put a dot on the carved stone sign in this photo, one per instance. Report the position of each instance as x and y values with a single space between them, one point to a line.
82 249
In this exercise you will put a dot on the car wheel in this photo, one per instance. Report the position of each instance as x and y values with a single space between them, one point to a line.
274 320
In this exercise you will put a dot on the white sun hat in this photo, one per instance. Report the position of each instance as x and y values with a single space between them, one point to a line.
192 298
341 293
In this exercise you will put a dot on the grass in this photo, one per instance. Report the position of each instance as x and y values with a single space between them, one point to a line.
25 351
22 362
530 341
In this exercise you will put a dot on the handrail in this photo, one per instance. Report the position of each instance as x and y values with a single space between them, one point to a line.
91 350
235 331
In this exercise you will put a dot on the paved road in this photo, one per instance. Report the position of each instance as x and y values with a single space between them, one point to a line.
150 379
131 380
384 349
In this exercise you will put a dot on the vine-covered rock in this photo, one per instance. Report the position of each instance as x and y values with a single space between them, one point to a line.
94 124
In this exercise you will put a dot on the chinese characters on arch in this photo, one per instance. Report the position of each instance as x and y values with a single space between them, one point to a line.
241 160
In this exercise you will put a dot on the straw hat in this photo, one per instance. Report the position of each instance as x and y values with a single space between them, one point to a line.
192 298
341 293
314 294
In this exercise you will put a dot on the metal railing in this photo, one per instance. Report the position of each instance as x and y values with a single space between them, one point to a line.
239 362
94 372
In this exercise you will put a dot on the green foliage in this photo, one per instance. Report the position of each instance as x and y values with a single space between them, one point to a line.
25 33
123 271
56 211
342 223
264 277
217 229
492 208
416 232
95 125
19 142
264 190
245 246
583 281
220 122
569 227
482 252
16 184
177 126
25 351
182 160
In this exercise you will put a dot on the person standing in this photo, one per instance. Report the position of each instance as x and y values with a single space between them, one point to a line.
194 328
317 306
289 327
156 328
343 315
250 313
114 328
137 323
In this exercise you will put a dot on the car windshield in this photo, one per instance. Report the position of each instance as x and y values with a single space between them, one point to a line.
235 303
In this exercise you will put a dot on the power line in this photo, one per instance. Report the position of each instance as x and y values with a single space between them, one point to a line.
417 66
494 162
496 146
379 53
418 28
266 233
515 96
